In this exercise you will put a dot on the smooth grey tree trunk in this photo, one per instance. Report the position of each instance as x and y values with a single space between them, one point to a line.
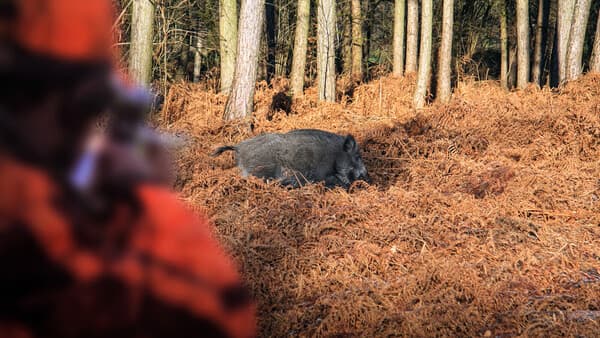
140 52
541 29
300 48
398 43
595 59
241 99
326 49
522 43
425 54
564 20
198 54
412 35
445 55
581 14
357 40
228 31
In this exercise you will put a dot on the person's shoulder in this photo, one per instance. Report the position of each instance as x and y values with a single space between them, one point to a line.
174 233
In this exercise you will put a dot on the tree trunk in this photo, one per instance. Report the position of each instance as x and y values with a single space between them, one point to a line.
564 19
228 30
549 54
399 22
541 30
425 53
522 43
181 73
347 40
368 28
595 59
512 67
283 41
271 43
554 69
140 53
357 40
445 57
198 55
503 45
300 49
412 35
240 101
326 50
581 14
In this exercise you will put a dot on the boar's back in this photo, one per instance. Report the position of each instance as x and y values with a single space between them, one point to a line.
309 152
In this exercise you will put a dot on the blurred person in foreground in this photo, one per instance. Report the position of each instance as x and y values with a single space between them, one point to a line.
91 244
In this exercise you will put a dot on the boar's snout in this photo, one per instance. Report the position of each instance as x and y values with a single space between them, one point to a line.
366 178
358 171
362 175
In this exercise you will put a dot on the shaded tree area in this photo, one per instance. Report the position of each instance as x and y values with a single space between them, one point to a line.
188 41
186 36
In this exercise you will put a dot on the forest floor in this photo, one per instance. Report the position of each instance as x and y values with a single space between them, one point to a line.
483 218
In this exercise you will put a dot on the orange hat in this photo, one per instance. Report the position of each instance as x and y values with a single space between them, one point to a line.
72 30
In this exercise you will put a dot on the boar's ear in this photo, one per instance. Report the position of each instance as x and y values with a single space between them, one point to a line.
350 144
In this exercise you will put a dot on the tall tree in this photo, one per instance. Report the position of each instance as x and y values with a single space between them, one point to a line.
326 49
228 31
554 81
564 19
503 45
541 30
283 41
300 48
240 101
425 54
346 48
577 38
198 53
445 55
522 43
357 40
184 58
595 59
398 44
271 42
140 53
412 35
368 27
512 67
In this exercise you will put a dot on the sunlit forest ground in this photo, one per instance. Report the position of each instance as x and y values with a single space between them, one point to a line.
483 218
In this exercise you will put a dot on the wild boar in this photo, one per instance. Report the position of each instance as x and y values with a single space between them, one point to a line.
301 156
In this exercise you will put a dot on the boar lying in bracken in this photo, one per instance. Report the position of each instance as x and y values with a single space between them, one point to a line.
301 156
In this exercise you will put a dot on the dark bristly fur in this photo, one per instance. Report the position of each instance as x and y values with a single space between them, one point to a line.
301 156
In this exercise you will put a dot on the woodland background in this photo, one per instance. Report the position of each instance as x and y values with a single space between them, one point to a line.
483 218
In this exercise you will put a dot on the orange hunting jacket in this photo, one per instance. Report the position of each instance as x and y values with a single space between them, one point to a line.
159 273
